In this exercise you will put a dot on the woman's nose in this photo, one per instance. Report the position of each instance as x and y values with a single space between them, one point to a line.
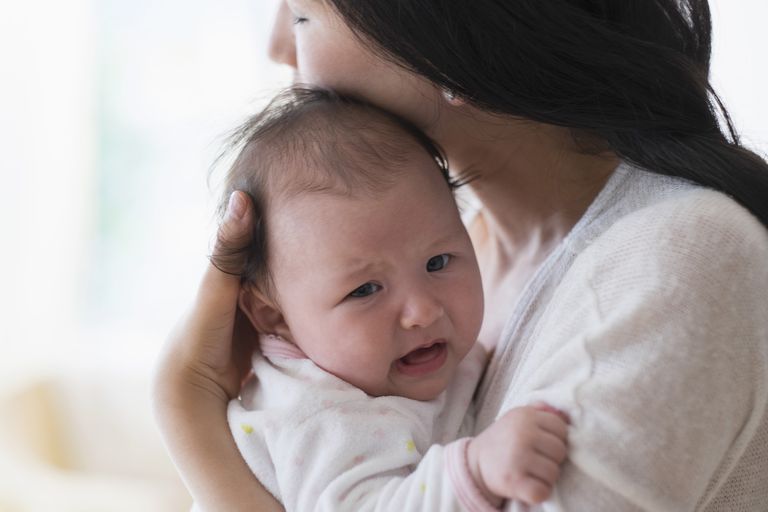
282 45
421 309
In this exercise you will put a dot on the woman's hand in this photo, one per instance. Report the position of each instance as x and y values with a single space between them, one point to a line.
202 366
208 354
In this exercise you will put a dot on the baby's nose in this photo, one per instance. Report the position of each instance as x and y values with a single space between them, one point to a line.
421 310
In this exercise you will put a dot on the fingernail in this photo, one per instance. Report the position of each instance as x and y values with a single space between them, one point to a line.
236 206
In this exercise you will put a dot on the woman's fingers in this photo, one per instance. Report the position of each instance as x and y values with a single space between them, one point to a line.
211 345
234 235
220 287
244 342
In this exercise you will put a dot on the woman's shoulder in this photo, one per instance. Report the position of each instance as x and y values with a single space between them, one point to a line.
697 219
693 261
657 218
695 240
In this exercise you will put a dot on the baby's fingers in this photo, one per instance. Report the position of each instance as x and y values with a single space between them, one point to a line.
543 469
551 446
532 490
552 423
543 406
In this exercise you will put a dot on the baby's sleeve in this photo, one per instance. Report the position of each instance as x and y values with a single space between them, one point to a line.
354 457
656 343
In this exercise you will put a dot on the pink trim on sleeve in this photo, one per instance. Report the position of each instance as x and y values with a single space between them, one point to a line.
457 466
275 346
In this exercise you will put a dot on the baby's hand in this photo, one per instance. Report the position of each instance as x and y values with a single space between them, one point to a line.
519 455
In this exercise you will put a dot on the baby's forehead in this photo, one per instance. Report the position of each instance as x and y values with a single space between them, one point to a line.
335 234
416 207
316 142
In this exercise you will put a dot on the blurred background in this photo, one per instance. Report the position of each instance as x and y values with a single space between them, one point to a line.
111 113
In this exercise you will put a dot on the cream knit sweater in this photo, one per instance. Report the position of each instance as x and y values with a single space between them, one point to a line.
649 325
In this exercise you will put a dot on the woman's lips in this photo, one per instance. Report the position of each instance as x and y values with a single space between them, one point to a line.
423 361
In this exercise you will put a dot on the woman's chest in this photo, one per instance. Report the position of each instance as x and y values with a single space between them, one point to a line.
517 306
502 289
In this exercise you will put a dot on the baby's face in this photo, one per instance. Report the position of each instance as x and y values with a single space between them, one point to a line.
382 292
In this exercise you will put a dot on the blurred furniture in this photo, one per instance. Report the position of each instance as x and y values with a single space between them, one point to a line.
81 443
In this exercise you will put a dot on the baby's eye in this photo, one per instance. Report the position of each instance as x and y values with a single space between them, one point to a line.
298 20
365 290
438 262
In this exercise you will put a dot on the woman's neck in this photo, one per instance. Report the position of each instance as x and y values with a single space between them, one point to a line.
534 185
532 179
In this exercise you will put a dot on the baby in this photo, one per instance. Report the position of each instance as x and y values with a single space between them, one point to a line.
364 284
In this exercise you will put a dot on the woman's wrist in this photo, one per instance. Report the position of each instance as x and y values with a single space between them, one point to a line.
174 406
183 383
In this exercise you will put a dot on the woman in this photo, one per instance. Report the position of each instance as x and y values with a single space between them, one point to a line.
622 240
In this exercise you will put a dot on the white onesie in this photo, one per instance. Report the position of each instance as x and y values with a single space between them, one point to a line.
318 443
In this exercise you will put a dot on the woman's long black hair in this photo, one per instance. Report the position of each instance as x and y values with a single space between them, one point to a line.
632 74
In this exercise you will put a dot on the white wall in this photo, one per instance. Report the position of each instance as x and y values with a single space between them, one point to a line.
46 147
740 65
110 114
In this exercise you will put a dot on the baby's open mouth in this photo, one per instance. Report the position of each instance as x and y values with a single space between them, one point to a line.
424 360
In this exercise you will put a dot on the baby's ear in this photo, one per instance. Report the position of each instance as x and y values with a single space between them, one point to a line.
263 313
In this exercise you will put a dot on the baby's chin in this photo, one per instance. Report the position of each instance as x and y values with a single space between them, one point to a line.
426 394
422 391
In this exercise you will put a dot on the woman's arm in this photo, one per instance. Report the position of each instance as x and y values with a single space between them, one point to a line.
656 344
203 364
198 439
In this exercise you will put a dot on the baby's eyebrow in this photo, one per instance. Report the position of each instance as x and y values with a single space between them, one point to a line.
451 236
355 267
352 267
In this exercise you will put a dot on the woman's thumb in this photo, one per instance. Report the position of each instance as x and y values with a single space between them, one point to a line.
234 235
220 286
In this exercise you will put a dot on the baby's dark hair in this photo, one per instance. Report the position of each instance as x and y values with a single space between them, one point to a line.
313 140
